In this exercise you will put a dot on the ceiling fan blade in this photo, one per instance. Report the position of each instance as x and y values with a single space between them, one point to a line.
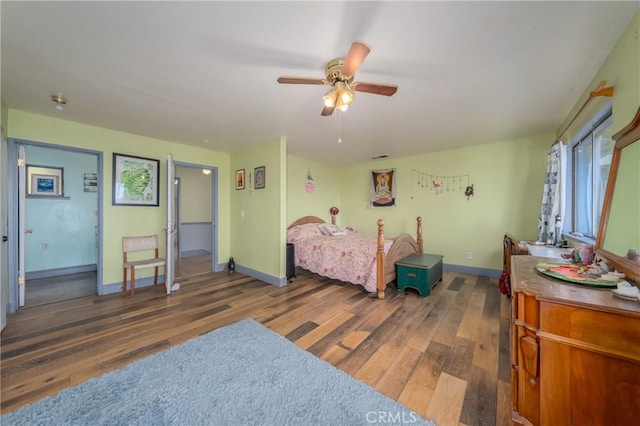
300 80
327 111
354 58
375 88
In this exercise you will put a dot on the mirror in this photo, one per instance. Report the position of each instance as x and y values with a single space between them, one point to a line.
619 229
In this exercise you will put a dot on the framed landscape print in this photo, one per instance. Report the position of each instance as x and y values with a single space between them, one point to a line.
259 177
44 185
135 181
44 181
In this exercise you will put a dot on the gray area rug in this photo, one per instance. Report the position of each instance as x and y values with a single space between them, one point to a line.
241 374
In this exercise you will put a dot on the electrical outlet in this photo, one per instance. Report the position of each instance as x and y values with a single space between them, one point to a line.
45 246
469 255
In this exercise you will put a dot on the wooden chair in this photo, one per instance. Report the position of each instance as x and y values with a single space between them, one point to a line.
136 244
510 247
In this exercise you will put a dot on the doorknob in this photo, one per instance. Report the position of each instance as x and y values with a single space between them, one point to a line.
28 231
5 238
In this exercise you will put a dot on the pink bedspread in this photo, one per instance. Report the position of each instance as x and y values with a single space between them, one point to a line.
350 258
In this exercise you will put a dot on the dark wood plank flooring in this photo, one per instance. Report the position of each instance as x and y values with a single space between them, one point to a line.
445 357
54 289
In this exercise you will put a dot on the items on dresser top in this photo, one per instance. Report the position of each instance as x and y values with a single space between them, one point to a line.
627 290
579 274
548 251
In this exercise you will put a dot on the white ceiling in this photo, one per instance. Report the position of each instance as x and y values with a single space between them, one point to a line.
204 73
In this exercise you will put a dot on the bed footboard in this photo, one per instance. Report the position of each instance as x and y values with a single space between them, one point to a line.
402 247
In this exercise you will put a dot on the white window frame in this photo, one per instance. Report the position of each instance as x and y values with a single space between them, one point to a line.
585 136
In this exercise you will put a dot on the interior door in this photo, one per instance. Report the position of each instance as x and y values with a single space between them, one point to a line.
4 287
22 220
171 226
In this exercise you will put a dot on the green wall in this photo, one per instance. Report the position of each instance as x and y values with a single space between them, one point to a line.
507 177
621 69
258 216
196 195
126 220
316 203
623 230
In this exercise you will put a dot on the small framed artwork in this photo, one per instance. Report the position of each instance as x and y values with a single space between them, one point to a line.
44 181
259 177
135 181
240 179
90 182
44 185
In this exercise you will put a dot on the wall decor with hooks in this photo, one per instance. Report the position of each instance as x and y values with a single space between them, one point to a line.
439 183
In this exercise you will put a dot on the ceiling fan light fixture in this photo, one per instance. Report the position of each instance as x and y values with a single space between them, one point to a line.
59 100
339 75
346 96
330 98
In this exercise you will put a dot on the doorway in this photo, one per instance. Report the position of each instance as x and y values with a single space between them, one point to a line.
196 234
55 233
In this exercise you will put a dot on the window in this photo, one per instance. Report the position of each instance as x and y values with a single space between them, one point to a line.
591 158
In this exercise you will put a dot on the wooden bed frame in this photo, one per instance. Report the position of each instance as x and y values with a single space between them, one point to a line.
403 246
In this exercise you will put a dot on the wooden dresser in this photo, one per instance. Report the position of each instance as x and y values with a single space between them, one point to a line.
575 351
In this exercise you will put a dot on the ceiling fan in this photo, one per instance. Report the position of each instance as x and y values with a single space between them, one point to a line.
339 74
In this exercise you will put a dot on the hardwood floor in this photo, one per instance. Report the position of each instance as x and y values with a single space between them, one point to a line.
193 265
54 289
445 357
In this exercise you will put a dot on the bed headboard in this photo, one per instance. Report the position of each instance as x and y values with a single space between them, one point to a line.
305 220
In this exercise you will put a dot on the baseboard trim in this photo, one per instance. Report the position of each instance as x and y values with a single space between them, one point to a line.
270 279
50 273
112 288
191 253
473 270
116 287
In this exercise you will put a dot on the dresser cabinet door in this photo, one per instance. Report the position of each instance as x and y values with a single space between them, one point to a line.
528 359
590 366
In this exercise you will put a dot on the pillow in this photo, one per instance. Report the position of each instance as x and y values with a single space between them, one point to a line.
331 230
302 232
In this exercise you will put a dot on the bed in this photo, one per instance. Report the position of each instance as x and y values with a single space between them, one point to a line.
346 255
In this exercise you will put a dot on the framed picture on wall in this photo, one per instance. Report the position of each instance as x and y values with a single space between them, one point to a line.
44 185
240 179
135 181
259 177
90 182
44 181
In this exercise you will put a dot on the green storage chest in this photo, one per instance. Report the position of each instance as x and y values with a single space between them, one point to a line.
419 271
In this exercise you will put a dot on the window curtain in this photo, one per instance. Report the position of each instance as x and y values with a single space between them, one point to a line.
553 194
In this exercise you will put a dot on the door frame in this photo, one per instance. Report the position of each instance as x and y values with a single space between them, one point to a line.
214 209
178 182
13 217
4 290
